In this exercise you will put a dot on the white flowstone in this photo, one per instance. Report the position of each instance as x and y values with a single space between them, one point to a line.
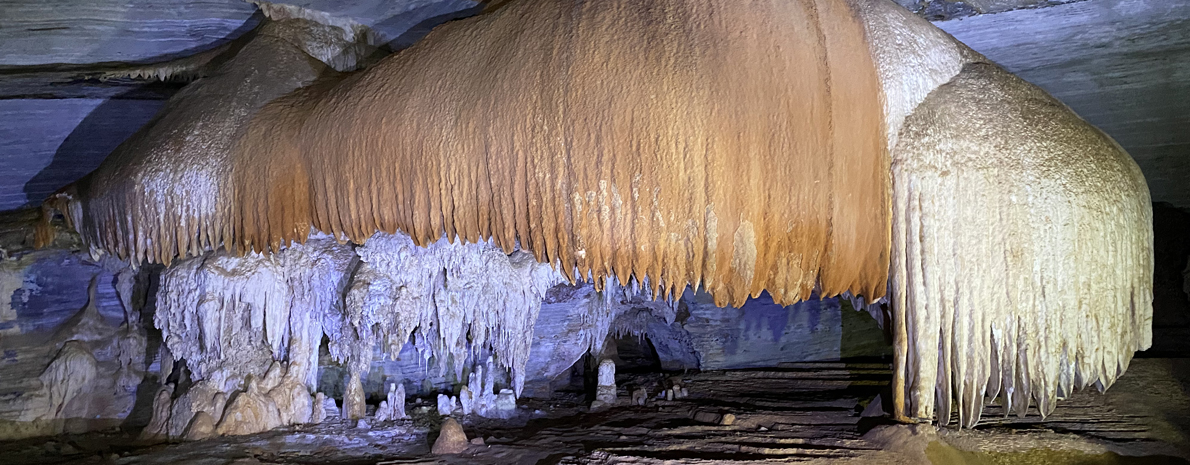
230 317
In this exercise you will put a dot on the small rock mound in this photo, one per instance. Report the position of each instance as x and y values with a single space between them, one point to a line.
451 438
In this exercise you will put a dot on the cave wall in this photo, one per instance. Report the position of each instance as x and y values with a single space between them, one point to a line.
73 352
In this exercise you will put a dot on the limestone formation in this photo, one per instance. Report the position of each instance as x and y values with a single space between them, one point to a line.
839 146
1061 297
249 411
66 378
73 358
318 412
1022 324
634 220
451 438
202 396
447 404
505 406
324 407
605 390
202 426
158 428
466 400
393 407
292 401
354 403
479 395
475 296
640 397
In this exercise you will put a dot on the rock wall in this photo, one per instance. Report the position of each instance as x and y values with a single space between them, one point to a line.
70 32
77 79
72 348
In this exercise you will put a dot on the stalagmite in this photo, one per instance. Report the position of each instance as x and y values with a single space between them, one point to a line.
66 377
479 395
249 411
466 400
605 389
640 397
292 400
318 412
505 406
354 403
158 427
324 408
447 404
451 438
393 407
202 426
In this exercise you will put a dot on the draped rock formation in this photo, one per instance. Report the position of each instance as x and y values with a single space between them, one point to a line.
606 139
735 146
1022 263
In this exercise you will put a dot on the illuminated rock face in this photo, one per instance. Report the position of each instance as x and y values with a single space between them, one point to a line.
73 356
1022 236
551 146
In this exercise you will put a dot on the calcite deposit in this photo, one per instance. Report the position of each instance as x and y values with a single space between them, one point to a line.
486 215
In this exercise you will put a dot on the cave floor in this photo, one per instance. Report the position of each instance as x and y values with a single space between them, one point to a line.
802 412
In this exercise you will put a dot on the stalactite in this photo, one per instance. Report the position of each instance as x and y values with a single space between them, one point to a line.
878 308
230 317
605 138
233 318
1022 251
463 298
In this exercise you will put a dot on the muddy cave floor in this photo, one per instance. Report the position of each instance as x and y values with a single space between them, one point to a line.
798 412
